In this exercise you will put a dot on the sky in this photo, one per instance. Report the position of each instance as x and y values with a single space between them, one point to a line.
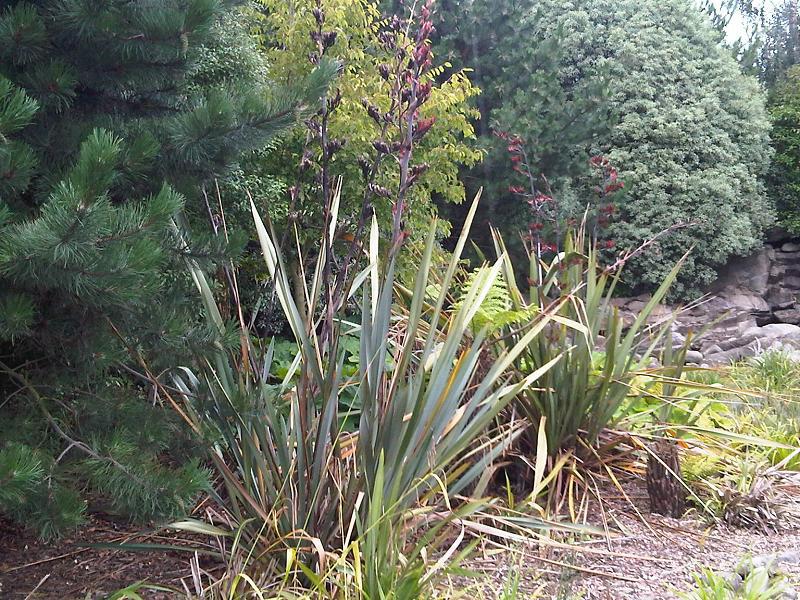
737 28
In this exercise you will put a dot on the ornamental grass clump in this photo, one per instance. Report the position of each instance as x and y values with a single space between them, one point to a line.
293 478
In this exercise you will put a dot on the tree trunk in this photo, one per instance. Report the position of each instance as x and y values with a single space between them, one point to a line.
664 485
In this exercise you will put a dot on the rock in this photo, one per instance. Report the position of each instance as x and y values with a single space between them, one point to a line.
747 301
777 235
788 315
694 357
749 273
779 297
752 307
729 356
775 330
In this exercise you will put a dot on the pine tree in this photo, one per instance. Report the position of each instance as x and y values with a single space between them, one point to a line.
104 139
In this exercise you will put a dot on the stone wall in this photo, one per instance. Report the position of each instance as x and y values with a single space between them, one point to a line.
753 306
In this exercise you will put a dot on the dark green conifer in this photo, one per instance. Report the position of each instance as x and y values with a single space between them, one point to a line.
104 138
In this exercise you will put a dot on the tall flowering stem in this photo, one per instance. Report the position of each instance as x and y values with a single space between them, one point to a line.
324 39
539 198
548 226
401 127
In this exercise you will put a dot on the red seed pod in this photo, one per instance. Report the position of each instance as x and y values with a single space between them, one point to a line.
365 165
421 54
424 92
417 170
423 126
372 110
379 190
381 146
305 161
328 39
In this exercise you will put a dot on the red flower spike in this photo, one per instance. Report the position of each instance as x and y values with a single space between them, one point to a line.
421 54
423 126
425 30
608 209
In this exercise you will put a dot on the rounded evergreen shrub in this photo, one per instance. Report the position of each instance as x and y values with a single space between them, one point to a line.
688 131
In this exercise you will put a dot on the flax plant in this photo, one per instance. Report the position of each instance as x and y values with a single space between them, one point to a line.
600 355
294 479
295 482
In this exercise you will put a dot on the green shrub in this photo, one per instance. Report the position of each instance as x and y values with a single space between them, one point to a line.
774 373
287 44
757 584
783 180
689 137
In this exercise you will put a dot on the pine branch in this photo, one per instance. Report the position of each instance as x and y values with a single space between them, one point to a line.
85 448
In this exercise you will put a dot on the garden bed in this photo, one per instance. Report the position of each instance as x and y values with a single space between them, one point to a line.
644 556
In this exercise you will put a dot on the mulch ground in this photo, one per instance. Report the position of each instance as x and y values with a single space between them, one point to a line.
68 569
643 557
